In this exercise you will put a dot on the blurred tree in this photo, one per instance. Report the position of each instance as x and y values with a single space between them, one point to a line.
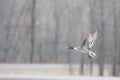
114 64
56 16
92 27
69 41
82 64
101 55
81 70
32 29
117 32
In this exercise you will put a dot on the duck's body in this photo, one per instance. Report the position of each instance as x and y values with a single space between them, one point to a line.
87 45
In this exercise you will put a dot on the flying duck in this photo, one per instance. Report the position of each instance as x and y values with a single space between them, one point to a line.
87 45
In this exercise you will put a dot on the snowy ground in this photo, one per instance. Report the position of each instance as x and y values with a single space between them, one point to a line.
46 77
49 72
49 69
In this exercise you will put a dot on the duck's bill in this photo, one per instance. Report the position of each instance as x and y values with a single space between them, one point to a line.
71 47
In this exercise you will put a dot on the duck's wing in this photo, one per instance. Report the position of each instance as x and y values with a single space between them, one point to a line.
84 42
95 35
87 40
93 39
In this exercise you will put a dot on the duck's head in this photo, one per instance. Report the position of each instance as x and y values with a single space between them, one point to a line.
71 47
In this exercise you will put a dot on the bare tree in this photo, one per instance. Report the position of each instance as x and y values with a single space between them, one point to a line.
81 70
101 56
69 41
82 65
70 62
115 61
92 27
32 29
116 33
56 16
69 51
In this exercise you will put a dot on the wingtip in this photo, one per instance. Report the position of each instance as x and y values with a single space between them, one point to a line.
95 35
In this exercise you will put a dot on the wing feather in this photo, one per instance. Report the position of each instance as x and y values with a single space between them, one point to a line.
89 37
89 40
95 35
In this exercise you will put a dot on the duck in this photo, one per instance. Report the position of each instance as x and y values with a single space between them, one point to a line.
87 45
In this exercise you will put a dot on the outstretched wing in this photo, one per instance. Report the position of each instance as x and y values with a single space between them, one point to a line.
87 40
84 43
94 37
